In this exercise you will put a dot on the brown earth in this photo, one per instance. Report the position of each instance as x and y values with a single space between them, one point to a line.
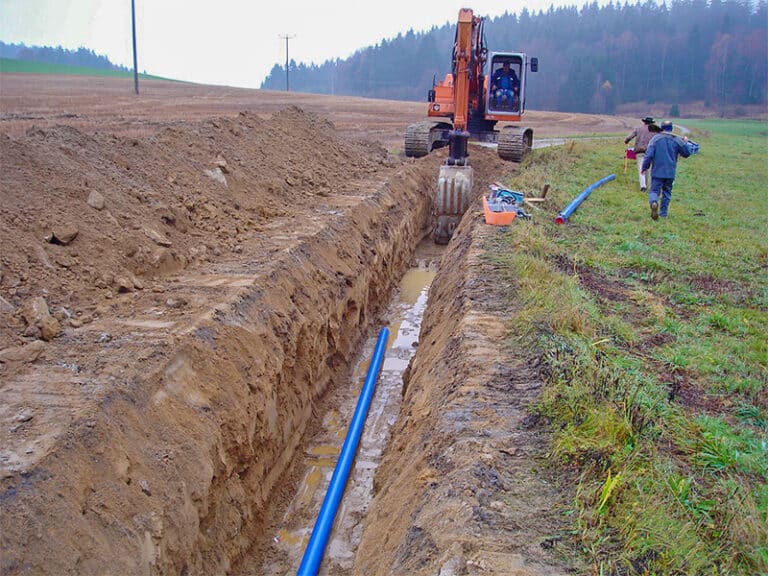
184 274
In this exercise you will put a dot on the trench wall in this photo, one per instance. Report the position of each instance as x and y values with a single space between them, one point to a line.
172 471
459 488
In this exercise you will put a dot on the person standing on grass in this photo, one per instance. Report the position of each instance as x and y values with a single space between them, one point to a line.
662 153
642 135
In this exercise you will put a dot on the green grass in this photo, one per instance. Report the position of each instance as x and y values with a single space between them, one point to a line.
655 341
9 65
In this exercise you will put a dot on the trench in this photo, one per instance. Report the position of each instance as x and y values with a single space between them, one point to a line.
172 460
280 547
445 477
169 433
191 454
289 536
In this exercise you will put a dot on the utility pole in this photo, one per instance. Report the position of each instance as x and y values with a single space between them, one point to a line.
135 67
287 85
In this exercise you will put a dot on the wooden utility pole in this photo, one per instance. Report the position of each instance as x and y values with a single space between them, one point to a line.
135 66
287 84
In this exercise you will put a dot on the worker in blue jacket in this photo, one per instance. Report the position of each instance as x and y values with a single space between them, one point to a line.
505 87
662 153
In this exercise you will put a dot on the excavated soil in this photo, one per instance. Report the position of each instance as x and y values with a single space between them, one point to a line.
185 274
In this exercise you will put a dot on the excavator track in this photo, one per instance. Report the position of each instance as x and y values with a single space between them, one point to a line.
422 137
514 142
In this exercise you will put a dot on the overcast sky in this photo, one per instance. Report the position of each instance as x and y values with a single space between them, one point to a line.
231 42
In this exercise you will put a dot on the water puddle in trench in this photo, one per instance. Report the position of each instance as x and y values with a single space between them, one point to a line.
404 321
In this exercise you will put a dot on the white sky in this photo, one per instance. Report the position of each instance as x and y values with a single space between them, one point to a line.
231 42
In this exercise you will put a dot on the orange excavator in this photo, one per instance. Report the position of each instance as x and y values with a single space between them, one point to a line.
470 103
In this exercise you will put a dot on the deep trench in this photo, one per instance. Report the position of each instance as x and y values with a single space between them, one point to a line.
403 246
407 260
280 547
397 233
283 546
282 543
192 468
177 466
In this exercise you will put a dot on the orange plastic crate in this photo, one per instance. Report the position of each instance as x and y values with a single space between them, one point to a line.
499 214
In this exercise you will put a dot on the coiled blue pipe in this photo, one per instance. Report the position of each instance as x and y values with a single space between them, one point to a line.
313 555
563 216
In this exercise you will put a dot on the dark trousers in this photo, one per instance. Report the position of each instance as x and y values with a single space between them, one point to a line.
661 187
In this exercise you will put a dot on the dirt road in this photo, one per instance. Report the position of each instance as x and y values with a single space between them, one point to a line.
184 276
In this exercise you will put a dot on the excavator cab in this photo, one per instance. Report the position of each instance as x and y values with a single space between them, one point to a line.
505 94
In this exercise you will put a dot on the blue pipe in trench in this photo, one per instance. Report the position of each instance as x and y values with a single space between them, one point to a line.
313 555
571 208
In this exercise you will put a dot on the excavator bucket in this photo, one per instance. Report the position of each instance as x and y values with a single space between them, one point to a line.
454 189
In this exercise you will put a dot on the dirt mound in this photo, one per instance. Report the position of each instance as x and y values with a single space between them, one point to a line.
88 216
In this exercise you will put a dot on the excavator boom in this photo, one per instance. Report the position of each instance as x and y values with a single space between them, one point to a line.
461 66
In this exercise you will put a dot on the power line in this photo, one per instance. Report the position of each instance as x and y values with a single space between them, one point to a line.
133 31
287 84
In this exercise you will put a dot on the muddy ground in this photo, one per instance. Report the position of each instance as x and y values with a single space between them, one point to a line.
185 274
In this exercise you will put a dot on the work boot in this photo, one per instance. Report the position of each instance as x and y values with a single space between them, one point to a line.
655 210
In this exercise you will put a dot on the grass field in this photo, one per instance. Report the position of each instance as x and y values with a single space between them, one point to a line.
655 339
8 65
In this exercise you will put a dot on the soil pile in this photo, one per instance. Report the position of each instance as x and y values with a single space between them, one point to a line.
88 216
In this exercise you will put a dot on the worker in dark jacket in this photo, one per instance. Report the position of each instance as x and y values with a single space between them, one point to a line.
642 135
662 153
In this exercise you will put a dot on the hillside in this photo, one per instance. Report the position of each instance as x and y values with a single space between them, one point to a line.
80 58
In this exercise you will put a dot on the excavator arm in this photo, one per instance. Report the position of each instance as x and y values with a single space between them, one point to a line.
468 62
462 61
454 183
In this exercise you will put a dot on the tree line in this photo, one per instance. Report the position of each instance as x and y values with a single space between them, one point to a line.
58 55
591 59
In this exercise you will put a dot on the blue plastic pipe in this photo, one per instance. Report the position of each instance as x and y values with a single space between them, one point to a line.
313 555
571 208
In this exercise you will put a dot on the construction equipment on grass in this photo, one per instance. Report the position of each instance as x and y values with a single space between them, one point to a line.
503 205
470 103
